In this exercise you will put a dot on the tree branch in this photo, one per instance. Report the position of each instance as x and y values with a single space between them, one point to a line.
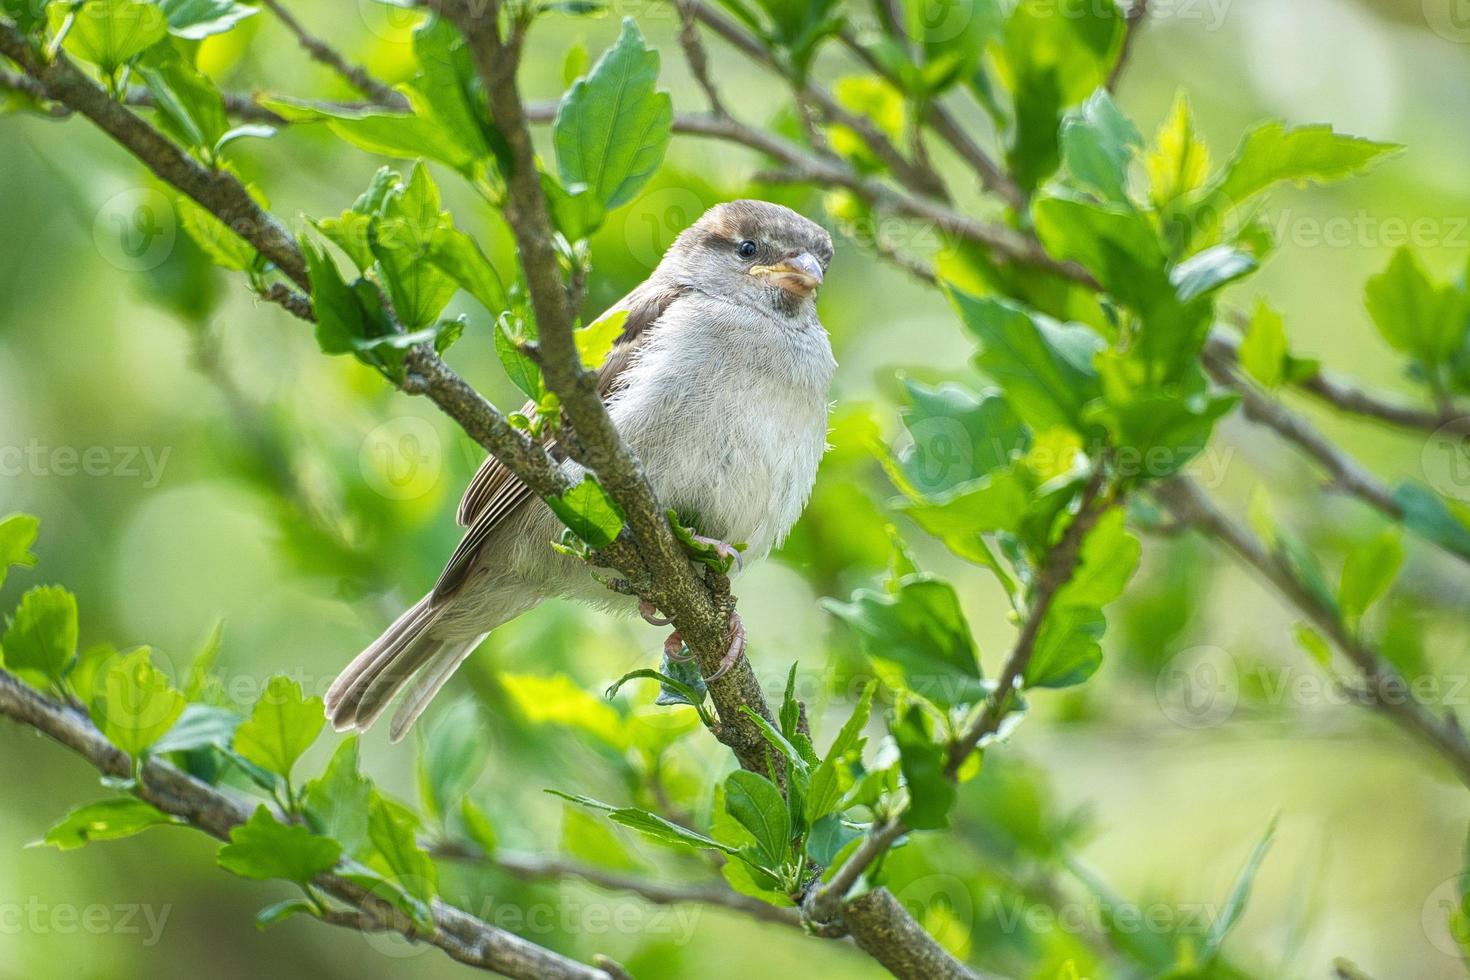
1133 22
1386 689
355 75
459 934
1061 564
530 867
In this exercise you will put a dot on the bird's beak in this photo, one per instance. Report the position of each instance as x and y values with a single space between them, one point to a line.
799 274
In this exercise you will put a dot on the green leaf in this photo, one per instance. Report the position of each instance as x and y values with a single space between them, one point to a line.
392 134
263 848
1263 350
917 637
280 729
281 911
111 819
1115 243
1177 161
1044 366
589 512
478 826
611 127
446 90
695 699
452 754
1314 643
958 436
407 865
459 257
200 726
401 241
1416 316
1240 892
17 534
650 825
1202 274
558 700
828 837
1271 153
188 103
595 340
523 372
337 802
340 320
593 841
135 704
42 633
1367 572
922 761
756 803
194 20
224 248
1098 143
1431 518
996 502
110 32
350 231
826 785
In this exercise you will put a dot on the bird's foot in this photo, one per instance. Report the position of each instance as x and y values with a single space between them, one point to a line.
650 614
734 653
674 648
724 549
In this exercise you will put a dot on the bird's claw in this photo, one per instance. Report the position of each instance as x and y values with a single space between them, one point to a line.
724 549
674 648
650 614
733 654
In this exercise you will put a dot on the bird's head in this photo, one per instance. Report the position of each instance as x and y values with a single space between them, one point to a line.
754 253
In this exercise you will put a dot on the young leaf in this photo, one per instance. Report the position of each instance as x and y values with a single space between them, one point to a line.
918 637
478 826
826 787
282 726
589 512
200 726
337 802
650 825
1240 893
408 865
755 801
1263 350
110 32
687 694
135 704
42 633
401 240
188 102
340 321
1207 271
17 534
922 761
217 239
611 127
452 754
1419 317
1098 143
393 134
595 341
1178 161
263 848
281 911
1367 573
828 837
194 20
458 256
1431 518
1044 366
111 819
1271 153
958 436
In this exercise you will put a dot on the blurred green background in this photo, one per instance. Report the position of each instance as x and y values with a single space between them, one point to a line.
238 475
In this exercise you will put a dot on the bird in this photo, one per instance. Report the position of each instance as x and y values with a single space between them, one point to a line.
719 381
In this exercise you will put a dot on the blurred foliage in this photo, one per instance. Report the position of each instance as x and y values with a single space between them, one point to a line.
240 478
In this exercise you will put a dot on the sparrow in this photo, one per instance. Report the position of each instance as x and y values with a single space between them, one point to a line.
719 383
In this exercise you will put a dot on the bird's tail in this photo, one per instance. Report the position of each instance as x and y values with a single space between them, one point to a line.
405 652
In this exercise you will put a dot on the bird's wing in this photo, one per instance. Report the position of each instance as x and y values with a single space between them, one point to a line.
495 492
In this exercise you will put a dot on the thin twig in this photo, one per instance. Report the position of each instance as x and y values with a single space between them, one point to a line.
1385 688
1133 23
459 934
530 867
355 75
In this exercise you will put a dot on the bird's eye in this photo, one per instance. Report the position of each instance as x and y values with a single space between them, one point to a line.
747 249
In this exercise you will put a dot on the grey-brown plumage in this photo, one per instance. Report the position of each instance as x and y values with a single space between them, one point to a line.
719 383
